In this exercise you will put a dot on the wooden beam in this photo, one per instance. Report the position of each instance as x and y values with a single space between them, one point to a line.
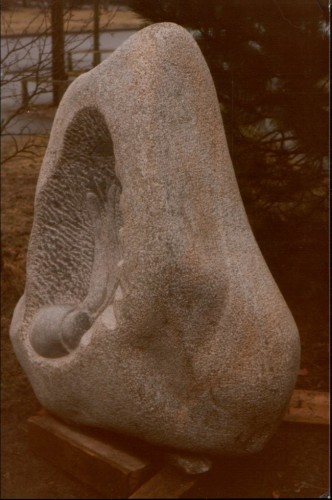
114 466
168 483
109 468
310 407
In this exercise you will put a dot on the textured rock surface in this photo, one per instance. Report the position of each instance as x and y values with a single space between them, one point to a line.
148 306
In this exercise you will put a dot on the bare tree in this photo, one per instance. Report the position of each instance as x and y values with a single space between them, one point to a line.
32 66
24 59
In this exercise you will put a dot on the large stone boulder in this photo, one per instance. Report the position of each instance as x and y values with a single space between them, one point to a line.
148 307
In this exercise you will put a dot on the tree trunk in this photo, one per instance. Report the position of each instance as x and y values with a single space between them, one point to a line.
96 53
58 50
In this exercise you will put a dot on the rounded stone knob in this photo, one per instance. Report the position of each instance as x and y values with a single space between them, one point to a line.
57 330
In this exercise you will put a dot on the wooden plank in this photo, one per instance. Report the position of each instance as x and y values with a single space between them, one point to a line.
311 407
168 483
108 468
112 467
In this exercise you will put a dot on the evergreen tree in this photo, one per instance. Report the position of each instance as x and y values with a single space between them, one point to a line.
269 61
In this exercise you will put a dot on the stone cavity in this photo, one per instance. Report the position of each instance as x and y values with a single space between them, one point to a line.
148 307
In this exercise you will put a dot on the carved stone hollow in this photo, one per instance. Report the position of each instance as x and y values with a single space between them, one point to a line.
148 307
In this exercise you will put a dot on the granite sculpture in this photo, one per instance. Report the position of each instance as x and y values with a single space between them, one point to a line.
148 307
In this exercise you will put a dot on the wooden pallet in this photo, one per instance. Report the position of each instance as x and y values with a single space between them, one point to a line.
114 466
106 466
128 468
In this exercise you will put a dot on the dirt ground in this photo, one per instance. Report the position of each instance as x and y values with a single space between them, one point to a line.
293 465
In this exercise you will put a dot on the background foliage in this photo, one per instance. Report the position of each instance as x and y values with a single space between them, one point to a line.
269 61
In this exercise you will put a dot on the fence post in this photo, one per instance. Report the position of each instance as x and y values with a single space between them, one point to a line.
69 62
25 94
